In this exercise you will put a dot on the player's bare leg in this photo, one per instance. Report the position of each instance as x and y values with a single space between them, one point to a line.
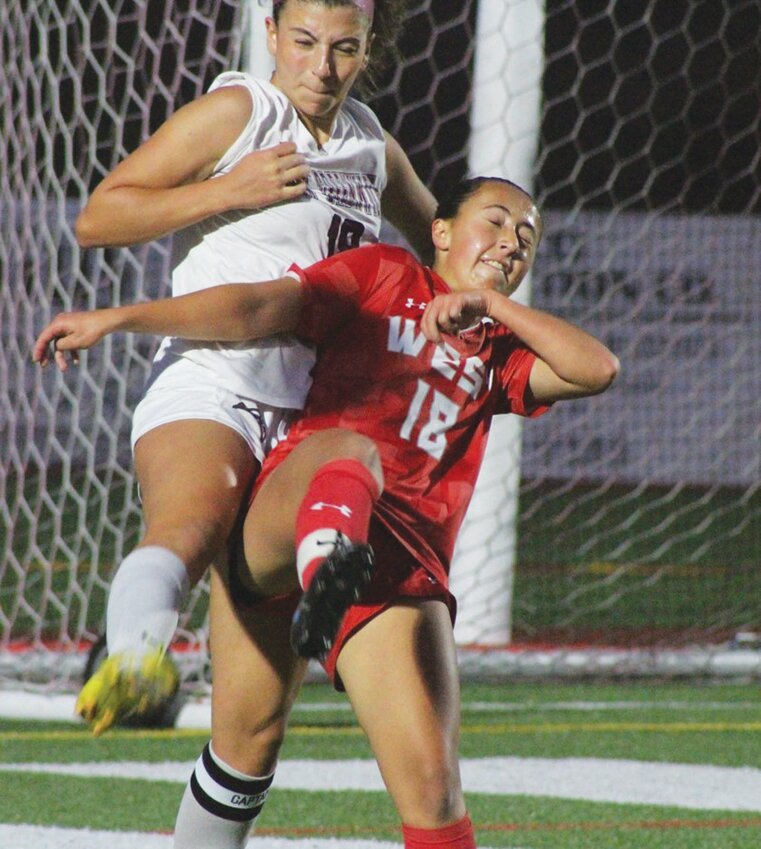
256 680
315 508
193 477
400 672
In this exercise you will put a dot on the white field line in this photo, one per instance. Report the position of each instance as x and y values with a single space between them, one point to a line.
697 787
42 837
196 713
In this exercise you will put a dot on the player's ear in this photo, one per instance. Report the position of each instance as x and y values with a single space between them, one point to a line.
440 230
271 35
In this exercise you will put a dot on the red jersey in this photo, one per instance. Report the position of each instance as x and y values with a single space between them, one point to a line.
427 406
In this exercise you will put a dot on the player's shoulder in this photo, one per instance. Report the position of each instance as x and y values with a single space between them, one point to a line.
382 252
240 79
394 268
256 92
373 265
398 254
228 100
231 84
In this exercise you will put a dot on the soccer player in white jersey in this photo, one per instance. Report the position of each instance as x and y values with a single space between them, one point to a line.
412 364
253 176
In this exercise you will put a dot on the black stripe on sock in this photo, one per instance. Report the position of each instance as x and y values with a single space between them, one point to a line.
243 787
222 811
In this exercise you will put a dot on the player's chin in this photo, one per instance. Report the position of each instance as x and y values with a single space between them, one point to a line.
317 106
489 279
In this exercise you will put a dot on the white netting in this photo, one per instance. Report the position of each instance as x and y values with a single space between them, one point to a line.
639 518
83 83
639 511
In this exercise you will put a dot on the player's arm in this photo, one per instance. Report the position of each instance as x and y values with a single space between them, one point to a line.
406 202
571 363
235 312
162 186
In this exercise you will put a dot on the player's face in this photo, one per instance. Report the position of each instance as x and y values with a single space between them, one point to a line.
319 51
491 242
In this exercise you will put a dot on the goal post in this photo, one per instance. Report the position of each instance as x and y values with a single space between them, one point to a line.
256 57
507 78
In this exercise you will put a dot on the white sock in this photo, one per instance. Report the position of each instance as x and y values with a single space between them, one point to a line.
219 806
145 599
313 549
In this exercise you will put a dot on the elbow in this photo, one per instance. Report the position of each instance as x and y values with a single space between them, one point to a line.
98 223
613 368
85 231
607 371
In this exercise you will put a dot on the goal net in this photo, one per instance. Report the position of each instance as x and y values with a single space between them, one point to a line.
629 523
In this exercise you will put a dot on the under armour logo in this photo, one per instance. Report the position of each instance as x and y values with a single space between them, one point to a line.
410 303
342 508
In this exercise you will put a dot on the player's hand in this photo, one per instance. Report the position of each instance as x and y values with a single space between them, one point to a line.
67 334
453 313
267 176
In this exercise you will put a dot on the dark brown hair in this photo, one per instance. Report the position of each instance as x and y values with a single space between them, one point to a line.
450 205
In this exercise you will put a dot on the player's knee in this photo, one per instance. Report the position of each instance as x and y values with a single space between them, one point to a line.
253 748
348 445
432 806
369 455
194 538
432 795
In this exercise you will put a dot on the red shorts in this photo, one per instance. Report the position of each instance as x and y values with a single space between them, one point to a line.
398 576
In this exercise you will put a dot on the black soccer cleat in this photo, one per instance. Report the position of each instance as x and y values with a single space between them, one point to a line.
339 582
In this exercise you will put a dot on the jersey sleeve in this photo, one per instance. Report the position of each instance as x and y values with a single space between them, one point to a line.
334 291
514 376
259 107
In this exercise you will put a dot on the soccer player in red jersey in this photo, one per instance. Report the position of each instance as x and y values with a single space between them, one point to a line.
368 490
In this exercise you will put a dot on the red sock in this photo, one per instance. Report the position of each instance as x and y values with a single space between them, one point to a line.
340 498
458 835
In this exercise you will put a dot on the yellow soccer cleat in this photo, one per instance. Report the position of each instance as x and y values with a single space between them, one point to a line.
126 686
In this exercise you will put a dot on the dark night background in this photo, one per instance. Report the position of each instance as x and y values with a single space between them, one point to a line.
650 105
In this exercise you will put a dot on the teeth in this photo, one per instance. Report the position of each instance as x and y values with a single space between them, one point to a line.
495 264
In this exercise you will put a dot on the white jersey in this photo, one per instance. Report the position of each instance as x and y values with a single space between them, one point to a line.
339 210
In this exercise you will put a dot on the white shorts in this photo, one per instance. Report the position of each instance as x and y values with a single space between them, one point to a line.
182 390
